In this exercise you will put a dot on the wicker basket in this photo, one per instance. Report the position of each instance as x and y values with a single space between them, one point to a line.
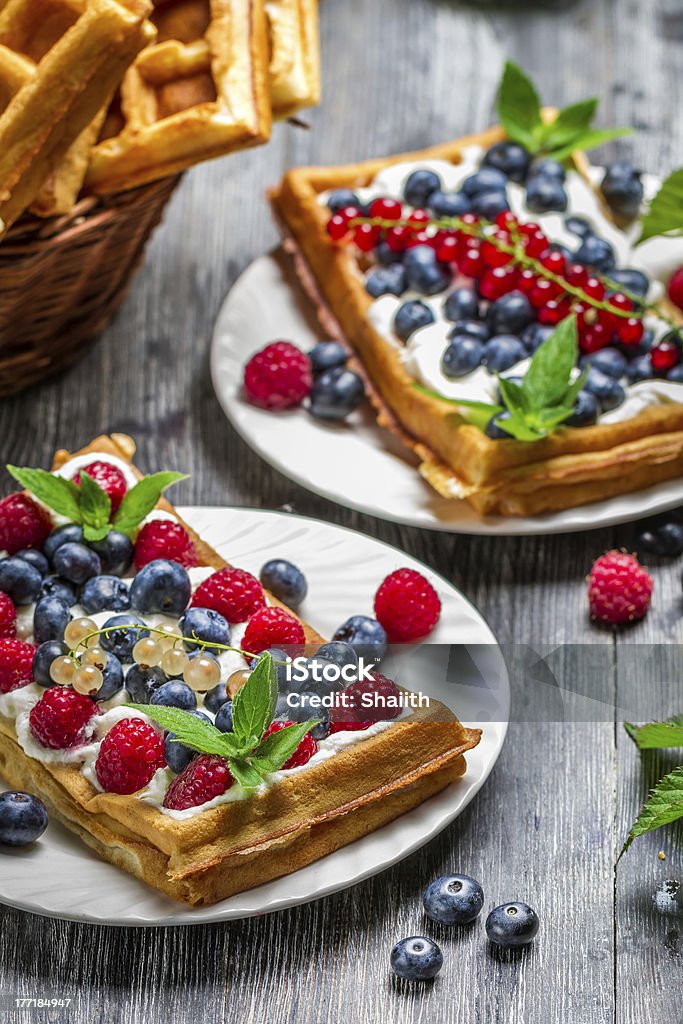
61 280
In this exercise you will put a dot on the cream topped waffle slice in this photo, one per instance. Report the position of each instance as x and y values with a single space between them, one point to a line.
194 827
294 55
60 61
199 92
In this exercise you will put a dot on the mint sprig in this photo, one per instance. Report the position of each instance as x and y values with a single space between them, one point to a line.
249 754
665 212
88 505
663 806
520 113
545 398
657 735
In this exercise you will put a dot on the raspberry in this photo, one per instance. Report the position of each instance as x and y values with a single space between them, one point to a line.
204 778
110 478
129 755
619 588
164 539
407 605
60 716
8 617
278 377
272 627
235 593
675 288
23 523
354 714
303 753
16 664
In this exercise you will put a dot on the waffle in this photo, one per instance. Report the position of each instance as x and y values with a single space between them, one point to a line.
572 467
60 61
294 55
277 829
199 92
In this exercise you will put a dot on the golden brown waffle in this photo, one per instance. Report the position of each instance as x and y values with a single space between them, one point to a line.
60 60
294 55
199 92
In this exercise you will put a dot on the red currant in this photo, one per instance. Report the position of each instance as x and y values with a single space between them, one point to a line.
494 256
675 288
554 261
577 275
397 238
366 236
621 301
470 218
536 244
350 213
418 218
594 288
527 280
506 220
665 356
630 331
496 282
592 339
448 249
419 238
607 320
543 292
471 263
386 209
553 312
337 227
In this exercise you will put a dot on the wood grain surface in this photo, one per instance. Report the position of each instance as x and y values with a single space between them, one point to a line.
399 74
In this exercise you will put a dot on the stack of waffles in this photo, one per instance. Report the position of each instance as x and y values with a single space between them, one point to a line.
101 96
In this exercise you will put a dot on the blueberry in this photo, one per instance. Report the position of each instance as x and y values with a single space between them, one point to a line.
586 410
338 653
126 630
76 563
281 708
453 899
71 533
336 394
462 355
512 924
23 818
449 204
642 348
105 593
578 226
510 314
322 730
327 355
623 190
280 660
675 374
461 304
176 754
112 678
609 361
496 432
665 540
534 335
35 558
634 281
510 158
224 717
419 187
205 625
115 551
502 352
161 587
607 390
366 635
141 683
341 197
316 675
640 369
544 195
596 252
216 698
43 658
411 316
285 581
563 250
303 707
487 179
391 280
20 580
55 587
416 959
386 256
549 169
472 328
424 273
489 204
174 694
50 619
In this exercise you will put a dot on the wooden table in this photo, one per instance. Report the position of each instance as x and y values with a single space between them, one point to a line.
398 74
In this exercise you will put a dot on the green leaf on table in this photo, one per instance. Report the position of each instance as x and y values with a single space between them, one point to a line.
519 106
664 805
254 703
665 213
141 499
276 749
62 496
657 735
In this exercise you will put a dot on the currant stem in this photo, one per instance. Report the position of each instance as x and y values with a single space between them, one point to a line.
158 631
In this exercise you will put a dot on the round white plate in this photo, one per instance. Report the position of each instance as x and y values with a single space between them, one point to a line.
356 463
60 877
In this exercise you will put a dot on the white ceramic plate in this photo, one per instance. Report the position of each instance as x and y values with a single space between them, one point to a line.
60 877
357 464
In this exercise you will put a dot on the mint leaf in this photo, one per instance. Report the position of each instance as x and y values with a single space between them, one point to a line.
244 773
657 735
140 500
277 748
62 496
478 413
666 209
95 508
589 139
192 731
547 379
570 121
253 706
664 805
519 107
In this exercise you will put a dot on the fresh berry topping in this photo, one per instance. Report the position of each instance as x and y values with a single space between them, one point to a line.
163 538
385 696
278 377
303 753
453 899
666 354
416 959
23 818
130 754
285 580
407 605
110 479
675 288
512 924
205 778
235 593
60 716
23 523
161 587
272 627
16 661
8 617
619 589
